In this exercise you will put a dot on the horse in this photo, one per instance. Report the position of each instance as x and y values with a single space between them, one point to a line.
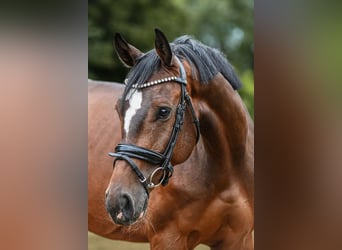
183 166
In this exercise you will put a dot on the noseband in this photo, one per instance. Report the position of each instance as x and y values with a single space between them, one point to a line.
127 151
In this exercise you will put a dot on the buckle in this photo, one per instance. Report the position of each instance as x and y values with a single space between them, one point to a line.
144 180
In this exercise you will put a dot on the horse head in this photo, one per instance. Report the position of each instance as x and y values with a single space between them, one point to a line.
159 126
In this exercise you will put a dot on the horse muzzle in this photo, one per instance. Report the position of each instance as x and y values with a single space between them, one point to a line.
124 208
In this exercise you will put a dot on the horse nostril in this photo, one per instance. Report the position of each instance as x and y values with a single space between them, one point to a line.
106 194
126 206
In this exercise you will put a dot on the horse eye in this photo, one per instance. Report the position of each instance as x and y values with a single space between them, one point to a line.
163 113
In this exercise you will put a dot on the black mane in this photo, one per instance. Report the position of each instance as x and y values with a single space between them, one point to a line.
206 62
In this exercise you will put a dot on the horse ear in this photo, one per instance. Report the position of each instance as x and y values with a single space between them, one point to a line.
127 53
162 47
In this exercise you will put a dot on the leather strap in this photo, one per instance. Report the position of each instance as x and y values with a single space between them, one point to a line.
128 151
140 175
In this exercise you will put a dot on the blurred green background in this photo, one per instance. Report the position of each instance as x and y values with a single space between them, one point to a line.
223 24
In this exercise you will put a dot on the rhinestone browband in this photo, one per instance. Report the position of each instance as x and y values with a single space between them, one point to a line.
149 84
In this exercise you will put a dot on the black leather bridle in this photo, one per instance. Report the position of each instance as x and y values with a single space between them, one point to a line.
128 151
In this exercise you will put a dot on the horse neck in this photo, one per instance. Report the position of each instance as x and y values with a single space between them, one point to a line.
226 131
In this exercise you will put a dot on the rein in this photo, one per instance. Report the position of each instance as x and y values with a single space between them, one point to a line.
127 151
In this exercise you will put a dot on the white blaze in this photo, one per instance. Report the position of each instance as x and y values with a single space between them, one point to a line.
134 105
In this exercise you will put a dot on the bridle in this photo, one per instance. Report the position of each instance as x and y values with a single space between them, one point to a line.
128 151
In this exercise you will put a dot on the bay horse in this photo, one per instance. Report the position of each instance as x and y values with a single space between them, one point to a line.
183 171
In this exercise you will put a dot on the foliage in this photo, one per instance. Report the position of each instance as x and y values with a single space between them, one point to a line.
223 24
247 91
